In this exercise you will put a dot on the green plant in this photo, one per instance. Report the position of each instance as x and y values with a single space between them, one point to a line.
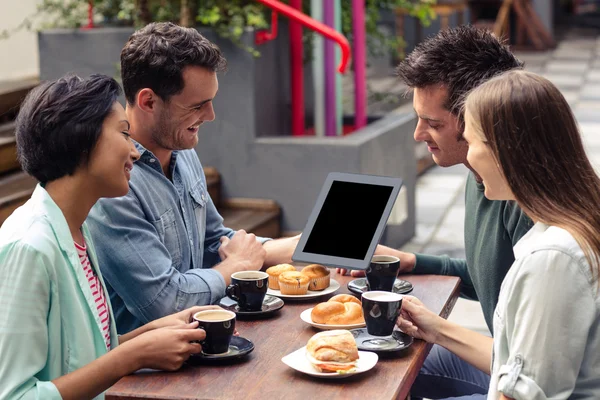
228 18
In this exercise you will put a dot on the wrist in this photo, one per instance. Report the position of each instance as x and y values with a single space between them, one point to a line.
444 332
407 262
152 325
410 261
129 358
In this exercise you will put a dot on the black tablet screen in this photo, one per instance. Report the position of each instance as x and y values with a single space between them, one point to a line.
348 220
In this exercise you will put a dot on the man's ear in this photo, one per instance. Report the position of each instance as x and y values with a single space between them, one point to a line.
146 100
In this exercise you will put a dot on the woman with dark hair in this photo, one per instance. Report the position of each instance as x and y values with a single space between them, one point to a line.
525 145
58 337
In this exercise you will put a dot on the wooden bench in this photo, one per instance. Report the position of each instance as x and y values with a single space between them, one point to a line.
12 94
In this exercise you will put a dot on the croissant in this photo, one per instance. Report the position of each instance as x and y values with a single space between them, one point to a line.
342 309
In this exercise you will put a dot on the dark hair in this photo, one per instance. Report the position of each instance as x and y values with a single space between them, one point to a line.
154 57
459 59
60 122
534 137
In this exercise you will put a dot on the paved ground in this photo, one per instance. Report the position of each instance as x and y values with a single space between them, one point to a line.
574 66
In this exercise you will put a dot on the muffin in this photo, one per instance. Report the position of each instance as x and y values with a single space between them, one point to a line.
274 272
293 282
319 276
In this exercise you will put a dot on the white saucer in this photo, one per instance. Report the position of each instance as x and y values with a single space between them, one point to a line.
298 361
311 294
305 316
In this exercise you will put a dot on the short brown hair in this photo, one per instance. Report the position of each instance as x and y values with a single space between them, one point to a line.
459 59
154 57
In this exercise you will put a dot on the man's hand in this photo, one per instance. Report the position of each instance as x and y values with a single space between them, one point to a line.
243 248
240 253
407 261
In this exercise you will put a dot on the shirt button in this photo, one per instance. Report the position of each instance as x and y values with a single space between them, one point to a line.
203 197
152 160
183 209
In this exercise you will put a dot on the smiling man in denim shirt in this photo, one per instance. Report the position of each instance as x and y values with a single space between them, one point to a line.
163 247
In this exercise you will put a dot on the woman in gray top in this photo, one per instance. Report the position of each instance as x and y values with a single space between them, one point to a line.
525 145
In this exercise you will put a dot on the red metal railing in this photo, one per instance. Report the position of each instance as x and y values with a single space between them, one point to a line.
299 18
314 25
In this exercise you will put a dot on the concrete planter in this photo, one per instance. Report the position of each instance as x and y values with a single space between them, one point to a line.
253 93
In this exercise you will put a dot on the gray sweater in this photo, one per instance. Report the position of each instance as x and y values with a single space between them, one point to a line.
492 228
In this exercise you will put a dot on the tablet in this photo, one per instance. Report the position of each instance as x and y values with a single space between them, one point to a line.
347 220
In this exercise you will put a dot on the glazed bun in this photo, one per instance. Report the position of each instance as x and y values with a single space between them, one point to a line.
336 313
332 351
345 298
341 309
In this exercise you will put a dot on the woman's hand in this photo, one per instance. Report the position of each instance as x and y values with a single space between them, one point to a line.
417 321
184 317
181 318
165 348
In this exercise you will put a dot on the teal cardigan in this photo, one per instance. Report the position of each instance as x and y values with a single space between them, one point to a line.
49 324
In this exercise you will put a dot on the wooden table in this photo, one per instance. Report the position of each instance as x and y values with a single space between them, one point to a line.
262 375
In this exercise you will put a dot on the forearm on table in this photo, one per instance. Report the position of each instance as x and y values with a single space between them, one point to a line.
407 260
280 251
94 378
473 347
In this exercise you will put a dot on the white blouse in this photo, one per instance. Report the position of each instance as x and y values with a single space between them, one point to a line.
547 322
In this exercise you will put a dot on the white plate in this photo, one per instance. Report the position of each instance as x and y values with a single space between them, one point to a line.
298 361
305 316
311 294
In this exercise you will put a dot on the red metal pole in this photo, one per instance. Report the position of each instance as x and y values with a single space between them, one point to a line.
90 24
360 63
297 69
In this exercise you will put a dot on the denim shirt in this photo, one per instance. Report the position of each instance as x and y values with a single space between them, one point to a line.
157 244
547 322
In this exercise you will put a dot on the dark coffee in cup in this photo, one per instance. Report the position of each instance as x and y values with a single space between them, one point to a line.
382 272
219 326
381 310
249 288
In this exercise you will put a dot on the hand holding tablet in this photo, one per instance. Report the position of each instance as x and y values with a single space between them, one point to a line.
347 220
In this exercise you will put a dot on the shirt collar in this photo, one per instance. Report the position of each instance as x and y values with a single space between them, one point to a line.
147 157
43 202
527 243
